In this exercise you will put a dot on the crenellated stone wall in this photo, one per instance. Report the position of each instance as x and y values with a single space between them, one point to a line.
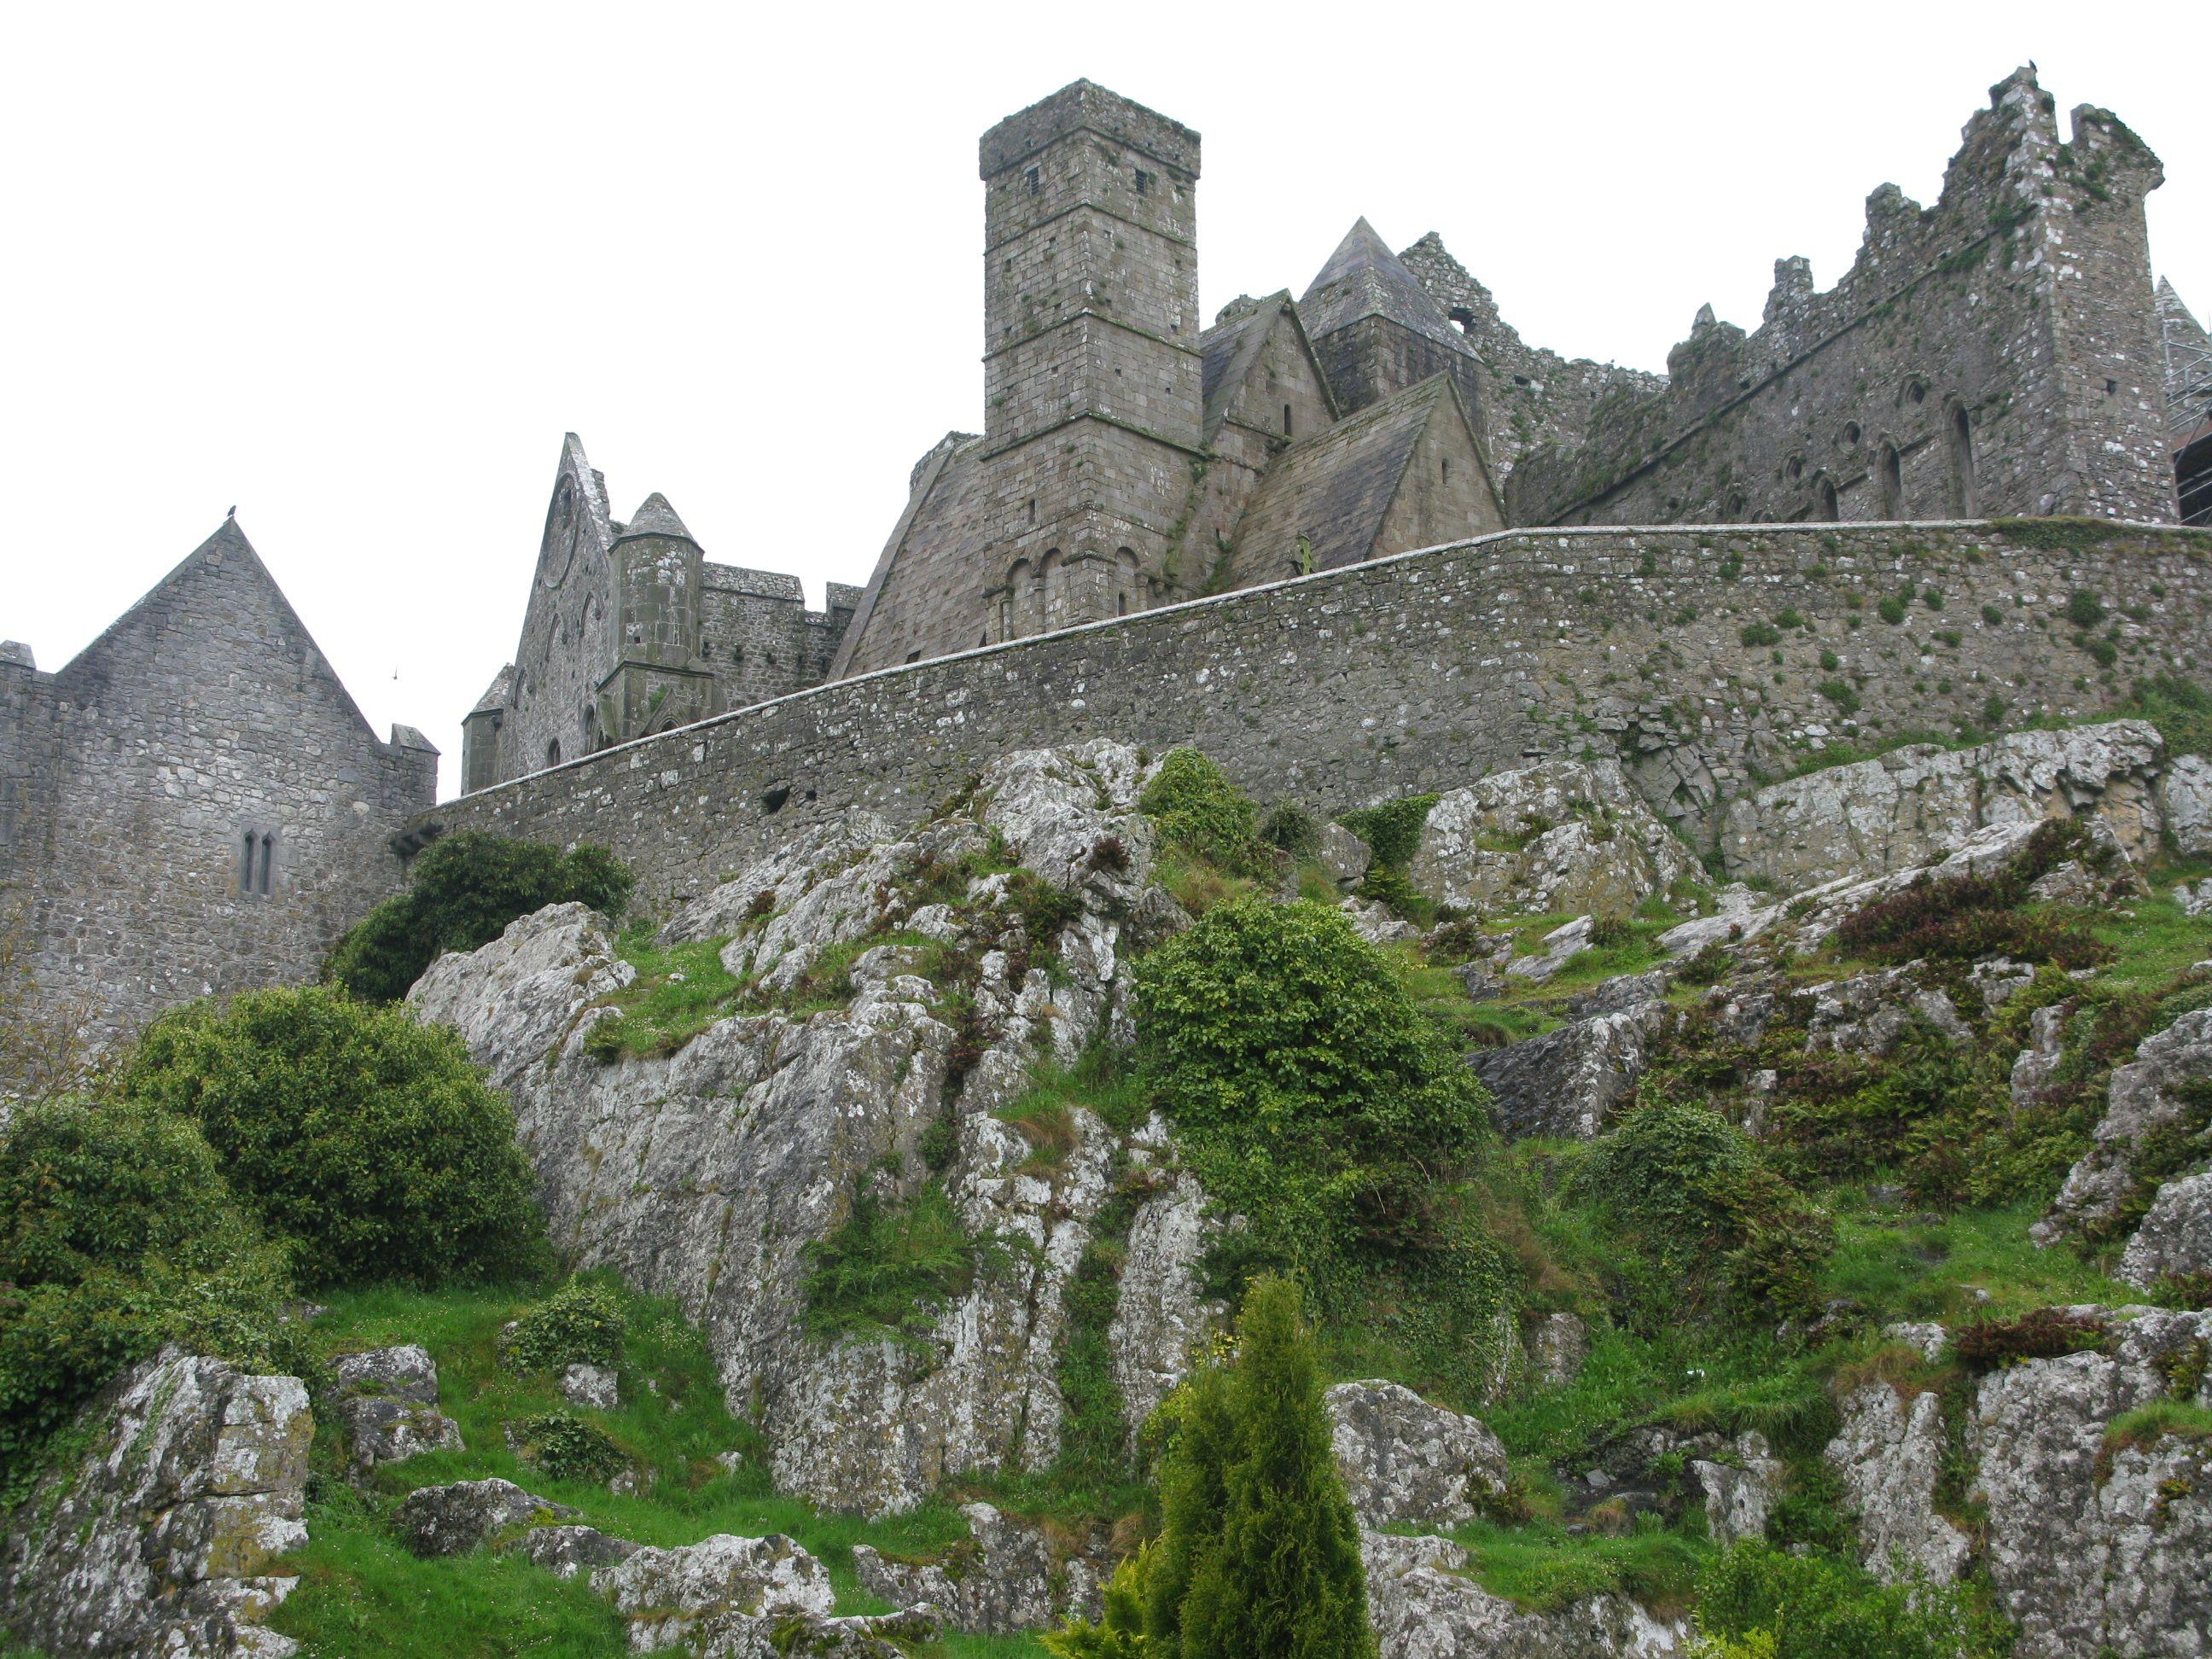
1425 671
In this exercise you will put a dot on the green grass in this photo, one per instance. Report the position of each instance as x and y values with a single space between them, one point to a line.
680 990
1541 1566
1919 1266
2158 1419
2156 941
361 1596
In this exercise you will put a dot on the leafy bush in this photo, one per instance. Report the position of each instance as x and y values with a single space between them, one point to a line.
1840 694
891 1267
1700 1219
367 1141
1766 1600
567 1448
117 1234
1290 828
1392 830
1760 633
462 892
1892 612
1305 1088
580 1324
1258 1552
1199 809
2181 709
1976 916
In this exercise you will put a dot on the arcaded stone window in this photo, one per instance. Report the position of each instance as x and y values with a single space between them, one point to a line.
257 861
553 752
1959 433
1889 471
1825 506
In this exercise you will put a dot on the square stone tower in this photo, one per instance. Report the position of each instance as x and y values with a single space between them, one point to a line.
1092 369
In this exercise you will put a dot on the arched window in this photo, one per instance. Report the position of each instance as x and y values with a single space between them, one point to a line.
1023 611
1825 506
553 752
1889 474
246 862
1958 438
1052 590
268 860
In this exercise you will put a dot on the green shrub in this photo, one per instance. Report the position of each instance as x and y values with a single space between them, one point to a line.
2083 609
117 1234
1836 692
369 1141
1992 616
1393 829
1813 1607
580 1324
463 891
2181 709
1199 809
1305 1088
1759 634
1703 1222
1259 1550
891 1267
567 1448
1291 828
1891 610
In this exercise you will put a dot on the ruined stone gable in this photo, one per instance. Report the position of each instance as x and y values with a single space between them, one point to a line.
199 807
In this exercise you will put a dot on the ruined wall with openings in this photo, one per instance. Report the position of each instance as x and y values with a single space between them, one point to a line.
1994 354
1425 671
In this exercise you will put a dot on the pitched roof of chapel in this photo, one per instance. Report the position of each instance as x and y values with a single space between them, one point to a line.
654 517
1363 278
1233 344
1335 487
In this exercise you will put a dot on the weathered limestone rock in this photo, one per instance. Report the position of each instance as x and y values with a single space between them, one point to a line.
667 1593
1561 1347
730 1634
1562 835
451 1520
1871 1013
1910 806
2147 1094
1162 1316
2195 900
159 1537
1889 1453
2035 1066
1618 995
1423 1607
565 1551
704 1174
1739 1494
1924 1337
595 1387
1568 1081
1010 1576
1405 1461
2096 1547
2185 803
1999 981
1343 854
388 1400
1561 946
2176 1235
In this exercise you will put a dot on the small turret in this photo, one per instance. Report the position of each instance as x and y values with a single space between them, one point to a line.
657 679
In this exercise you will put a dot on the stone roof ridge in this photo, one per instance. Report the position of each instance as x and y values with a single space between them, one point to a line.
1363 278
498 693
1233 344
654 517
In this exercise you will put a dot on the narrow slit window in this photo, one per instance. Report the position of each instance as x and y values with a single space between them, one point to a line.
268 858
245 863
1287 420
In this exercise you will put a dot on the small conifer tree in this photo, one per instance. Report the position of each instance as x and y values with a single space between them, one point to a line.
1259 1550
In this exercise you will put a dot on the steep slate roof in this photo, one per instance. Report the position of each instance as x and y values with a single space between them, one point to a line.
1335 487
1363 278
1233 344
498 693
654 517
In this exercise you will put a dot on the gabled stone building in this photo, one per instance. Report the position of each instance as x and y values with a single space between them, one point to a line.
193 804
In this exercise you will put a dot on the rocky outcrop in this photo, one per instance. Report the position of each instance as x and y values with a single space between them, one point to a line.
1163 1315
2175 1238
1558 1350
2157 1091
1009 1575
1739 1492
1405 1462
451 1520
1913 805
1423 1606
387 1398
1565 835
705 1174
2096 1544
160 1536
2184 802
665 1594
1889 1454
1568 1082
565 1551
1558 948
596 1388
1871 1013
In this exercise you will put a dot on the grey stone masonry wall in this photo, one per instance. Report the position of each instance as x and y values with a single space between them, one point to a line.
203 717
1997 353
1425 671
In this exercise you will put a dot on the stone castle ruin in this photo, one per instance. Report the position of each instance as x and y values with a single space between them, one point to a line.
1349 541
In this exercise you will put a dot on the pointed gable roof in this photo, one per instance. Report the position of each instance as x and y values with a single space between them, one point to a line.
1233 344
1335 489
654 517
1362 278
498 693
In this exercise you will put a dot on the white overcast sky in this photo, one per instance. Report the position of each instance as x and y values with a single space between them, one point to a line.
356 269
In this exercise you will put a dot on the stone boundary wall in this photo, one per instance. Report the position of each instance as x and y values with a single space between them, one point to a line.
1425 670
